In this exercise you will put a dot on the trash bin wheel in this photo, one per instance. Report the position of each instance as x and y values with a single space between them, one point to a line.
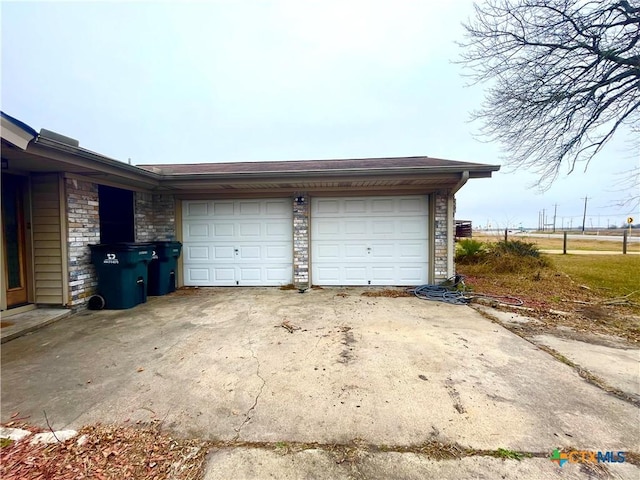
96 302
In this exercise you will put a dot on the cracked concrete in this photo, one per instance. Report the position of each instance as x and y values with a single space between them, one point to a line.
213 364
247 418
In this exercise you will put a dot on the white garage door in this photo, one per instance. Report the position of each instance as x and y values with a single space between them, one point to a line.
369 240
238 242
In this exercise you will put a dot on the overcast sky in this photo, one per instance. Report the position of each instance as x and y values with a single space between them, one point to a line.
178 82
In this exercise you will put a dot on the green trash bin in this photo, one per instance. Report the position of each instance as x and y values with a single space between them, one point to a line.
162 269
122 273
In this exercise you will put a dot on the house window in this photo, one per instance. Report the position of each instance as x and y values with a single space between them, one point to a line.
116 215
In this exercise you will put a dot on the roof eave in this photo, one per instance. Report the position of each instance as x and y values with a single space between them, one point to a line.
475 171
91 160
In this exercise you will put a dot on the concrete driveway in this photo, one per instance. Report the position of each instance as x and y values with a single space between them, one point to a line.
387 373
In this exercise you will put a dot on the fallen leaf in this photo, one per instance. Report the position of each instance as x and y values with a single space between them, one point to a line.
140 369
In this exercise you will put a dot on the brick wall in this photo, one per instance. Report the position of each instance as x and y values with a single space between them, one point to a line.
155 217
301 240
441 247
164 213
145 228
83 224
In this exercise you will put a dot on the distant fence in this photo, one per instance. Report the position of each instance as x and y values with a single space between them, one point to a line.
565 239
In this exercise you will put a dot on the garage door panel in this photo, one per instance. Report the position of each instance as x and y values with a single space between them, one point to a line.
351 206
355 275
369 240
277 208
324 207
382 275
326 275
380 251
223 231
326 252
414 274
356 252
249 208
222 208
277 253
326 229
197 252
410 251
198 231
411 228
223 253
383 227
411 205
278 230
238 242
197 209
355 227
278 275
384 206
198 274
250 252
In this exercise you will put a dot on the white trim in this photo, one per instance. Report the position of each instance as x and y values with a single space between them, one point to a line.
15 135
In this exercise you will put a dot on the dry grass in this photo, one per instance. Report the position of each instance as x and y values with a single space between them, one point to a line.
591 290
544 243
387 292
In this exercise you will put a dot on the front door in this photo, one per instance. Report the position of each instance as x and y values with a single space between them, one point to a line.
14 239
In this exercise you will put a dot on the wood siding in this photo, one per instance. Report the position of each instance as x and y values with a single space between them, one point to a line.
47 239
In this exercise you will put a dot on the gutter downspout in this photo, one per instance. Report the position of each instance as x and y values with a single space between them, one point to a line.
463 179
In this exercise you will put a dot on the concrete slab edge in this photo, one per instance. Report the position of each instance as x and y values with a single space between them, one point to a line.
582 372
33 328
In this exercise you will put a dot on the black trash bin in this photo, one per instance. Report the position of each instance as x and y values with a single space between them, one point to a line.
162 270
122 273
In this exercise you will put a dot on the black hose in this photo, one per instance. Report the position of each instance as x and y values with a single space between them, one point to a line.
452 291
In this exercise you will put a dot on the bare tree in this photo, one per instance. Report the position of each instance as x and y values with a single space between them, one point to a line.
563 77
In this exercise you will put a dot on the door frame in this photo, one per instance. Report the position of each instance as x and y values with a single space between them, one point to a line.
27 264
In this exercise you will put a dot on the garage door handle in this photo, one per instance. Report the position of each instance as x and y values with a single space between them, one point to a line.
236 250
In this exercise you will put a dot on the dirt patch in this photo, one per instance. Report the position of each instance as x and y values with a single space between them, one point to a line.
6 324
105 452
387 292
557 301
346 355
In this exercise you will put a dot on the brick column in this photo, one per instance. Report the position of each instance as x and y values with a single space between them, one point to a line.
83 228
301 240
440 226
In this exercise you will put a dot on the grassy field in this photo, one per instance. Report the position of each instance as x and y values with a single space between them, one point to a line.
588 243
610 275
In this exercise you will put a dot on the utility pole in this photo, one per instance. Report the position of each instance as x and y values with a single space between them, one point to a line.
544 219
584 215
555 210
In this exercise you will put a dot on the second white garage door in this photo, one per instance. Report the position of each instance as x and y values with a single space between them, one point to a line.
238 242
369 240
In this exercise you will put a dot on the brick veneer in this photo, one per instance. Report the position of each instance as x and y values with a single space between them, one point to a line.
83 228
301 240
440 236
155 217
